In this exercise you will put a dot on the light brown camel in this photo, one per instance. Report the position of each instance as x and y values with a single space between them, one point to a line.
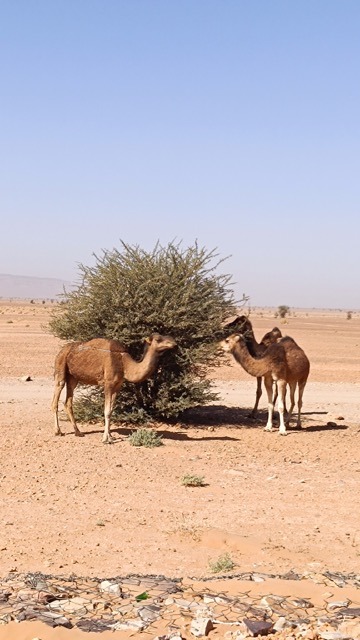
284 363
104 363
242 325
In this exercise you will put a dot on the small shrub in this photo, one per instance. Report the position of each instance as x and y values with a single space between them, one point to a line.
192 481
283 310
222 564
145 438
349 315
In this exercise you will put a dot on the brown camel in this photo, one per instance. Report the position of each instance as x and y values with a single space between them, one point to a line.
104 363
242 324
284 363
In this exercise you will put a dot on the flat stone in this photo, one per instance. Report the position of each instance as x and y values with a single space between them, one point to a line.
349 612
337 605
134 624
149 613
181 602
54 620
271 600
94 626
301 603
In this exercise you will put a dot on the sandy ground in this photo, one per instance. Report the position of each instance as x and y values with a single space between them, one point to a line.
74 505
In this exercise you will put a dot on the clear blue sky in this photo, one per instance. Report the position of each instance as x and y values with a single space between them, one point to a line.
233 122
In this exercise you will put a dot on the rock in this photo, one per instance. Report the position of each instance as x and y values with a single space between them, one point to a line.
301 603
149 613
94 626
54 619
110 587
201 627
258 627
26 379
133 624
337 605
280 624
349 612
181 602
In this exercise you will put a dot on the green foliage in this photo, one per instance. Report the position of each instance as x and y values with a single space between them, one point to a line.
189 480
222 564
145 438
283 310
131 293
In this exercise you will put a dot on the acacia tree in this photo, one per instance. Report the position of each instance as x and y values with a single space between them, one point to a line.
131 293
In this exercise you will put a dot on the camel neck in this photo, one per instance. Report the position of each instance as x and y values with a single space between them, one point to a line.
254 366
138 371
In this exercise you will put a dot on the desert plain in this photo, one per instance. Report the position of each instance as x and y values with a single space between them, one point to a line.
274 504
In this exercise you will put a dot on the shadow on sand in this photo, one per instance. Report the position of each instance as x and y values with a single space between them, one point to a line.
221 416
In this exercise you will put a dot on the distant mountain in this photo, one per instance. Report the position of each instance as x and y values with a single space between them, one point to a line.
28 287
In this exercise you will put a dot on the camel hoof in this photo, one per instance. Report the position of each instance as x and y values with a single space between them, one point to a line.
283 433
59 433
268 429
79 434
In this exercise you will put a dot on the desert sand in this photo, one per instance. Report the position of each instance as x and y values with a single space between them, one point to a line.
275 504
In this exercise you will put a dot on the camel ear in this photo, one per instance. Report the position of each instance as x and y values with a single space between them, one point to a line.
148 340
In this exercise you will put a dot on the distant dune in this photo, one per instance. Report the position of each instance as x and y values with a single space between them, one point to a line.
28 287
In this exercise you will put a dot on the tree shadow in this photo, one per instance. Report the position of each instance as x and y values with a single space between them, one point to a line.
221 415
163 433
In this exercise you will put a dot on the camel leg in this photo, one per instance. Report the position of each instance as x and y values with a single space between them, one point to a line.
257 398
292 386
301 391
110 398
71 384
276 395
281 404
59 385
269 390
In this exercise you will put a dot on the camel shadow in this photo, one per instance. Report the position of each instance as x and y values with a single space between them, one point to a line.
319 427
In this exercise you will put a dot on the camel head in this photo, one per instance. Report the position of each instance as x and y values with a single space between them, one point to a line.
160 343
271 337
230 343
239 324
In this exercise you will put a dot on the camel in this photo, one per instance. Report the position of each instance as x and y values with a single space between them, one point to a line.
104 363
242 324
283 362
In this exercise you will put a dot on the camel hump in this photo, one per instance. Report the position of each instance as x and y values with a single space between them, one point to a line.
102 344
271 337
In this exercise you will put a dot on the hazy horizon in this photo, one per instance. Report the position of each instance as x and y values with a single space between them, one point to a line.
233 123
